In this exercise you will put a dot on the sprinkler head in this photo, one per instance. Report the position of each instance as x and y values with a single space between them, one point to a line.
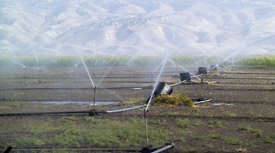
202 70
185 76
163 89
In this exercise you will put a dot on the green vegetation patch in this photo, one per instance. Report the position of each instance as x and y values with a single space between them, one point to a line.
232 140
270 139
229 114
183 123
16 104
216 124
173 100
30 141
256 132
215 136
187 123
266 61
70 131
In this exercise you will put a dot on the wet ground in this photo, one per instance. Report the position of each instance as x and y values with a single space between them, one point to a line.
241 98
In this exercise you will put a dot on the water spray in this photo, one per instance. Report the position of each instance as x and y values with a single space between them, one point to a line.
87 70
184 69
213 67
132 59
155 86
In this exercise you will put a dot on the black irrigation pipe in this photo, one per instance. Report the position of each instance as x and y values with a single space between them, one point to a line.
218 89
44 113
142 150
98 88
245 83
228 89
72 113
229 78
247 73
78 149
90 112
245 102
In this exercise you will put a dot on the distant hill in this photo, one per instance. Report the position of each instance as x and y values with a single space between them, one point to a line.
137 27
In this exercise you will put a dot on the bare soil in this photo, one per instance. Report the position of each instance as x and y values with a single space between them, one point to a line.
240 96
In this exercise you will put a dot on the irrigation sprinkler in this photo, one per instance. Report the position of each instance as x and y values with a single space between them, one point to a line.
185 76
202 70
158 86
161 89
184 69
213 67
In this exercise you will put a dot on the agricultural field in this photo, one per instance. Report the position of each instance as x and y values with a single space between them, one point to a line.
239 118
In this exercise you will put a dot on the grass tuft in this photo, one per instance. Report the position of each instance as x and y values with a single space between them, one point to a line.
270 139
216 124
232 140
30 141
226 113
256 132
16 104
183 123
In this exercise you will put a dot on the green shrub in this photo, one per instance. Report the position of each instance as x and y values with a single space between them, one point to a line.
177 99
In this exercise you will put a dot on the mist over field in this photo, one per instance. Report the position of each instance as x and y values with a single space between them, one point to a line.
137 27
